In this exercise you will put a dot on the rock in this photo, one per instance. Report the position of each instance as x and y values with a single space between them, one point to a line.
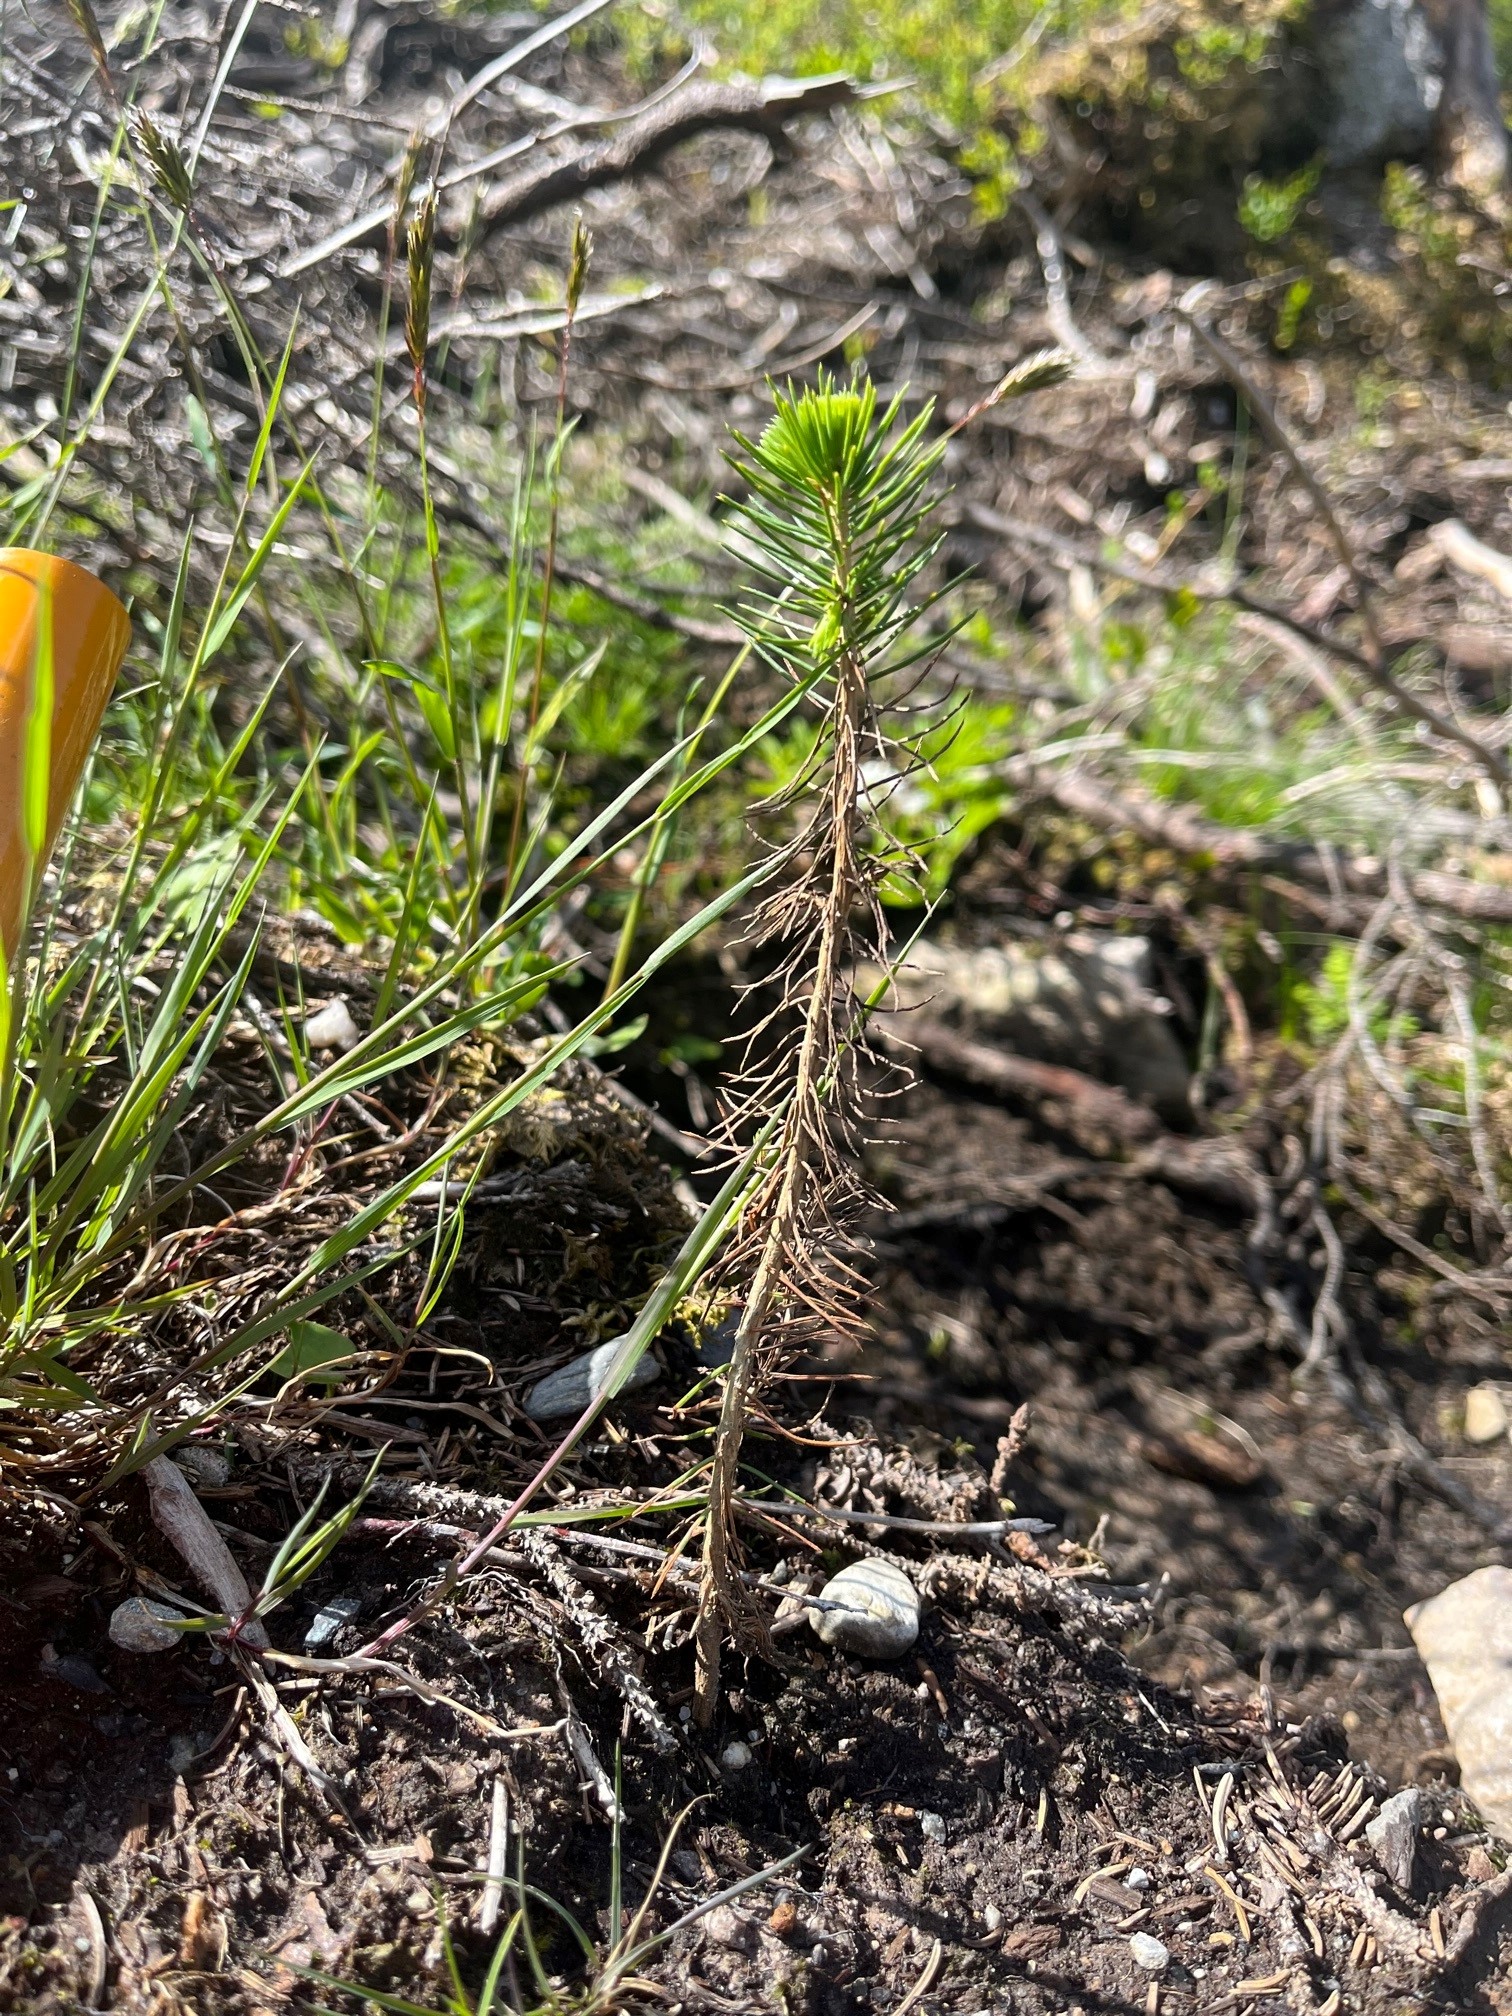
932 1827
1486 1416
1149 1953
1138 1879
329 1620
729 1928
1085 1001
716 1345
735 1756
73 1670
332 1027
1384 77
569 1389
203 1464
1465 1637
1393 1835
140 1625
875 1613
992 1918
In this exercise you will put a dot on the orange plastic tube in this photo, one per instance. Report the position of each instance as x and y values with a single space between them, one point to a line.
89 635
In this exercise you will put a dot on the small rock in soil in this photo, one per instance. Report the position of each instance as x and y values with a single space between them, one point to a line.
1393 1835
735 1756
332 1027
1214 1460
1486 1417
875 1613
140 1625
569 1389
73 1671
1465 1637
1138 1879
203 1465
329 1619
932 1826
1149 1953
727 1928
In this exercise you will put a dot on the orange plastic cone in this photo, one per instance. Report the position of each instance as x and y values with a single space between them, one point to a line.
89 631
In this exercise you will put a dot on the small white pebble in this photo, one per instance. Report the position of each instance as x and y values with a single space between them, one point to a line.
332 1027
1138 1879
932 1826
992 1918
1149 1953
735 1756
685 1714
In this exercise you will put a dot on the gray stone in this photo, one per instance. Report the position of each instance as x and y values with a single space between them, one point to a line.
330 1619
1486 1417
1084 1000
730 1928
1393 1835
202 1464
871 1607
735 1756
1384 73
141 1625
1465 1637
569 1389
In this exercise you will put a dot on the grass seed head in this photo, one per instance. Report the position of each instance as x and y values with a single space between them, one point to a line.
404 181
166 160
577 264
88 26
421 245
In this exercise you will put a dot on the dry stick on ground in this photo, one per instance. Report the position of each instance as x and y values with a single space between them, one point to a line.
1401 698
764 108
1373 659
1238 849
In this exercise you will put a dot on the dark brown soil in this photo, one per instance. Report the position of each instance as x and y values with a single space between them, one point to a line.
971 1818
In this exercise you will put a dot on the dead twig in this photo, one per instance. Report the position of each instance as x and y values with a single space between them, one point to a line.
1009 1076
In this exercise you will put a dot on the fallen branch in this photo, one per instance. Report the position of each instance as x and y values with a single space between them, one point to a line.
1400 697
763 108
1178 827
1010 1076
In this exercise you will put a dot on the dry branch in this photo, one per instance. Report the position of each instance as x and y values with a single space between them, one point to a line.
1401 698
1007 1075
1240 849
763 108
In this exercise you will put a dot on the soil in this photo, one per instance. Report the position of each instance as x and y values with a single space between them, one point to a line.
989 1822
